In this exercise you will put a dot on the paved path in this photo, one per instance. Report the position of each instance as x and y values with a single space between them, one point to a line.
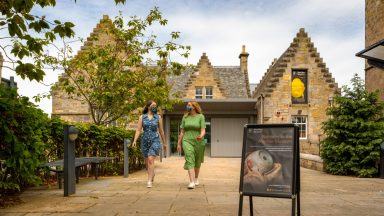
321 194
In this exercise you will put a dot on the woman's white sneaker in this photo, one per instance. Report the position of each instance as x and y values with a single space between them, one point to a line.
197 182
191 185
149 184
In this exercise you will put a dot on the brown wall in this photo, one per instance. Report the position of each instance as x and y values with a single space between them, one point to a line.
69 109
278 108
374 32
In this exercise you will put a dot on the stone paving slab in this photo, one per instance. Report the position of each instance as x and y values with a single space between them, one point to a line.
217 194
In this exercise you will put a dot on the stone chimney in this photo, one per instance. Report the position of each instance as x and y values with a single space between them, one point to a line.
244 60
244 68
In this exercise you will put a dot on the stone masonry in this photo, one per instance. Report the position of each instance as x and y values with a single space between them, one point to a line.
75 110
203 76
274 92
374 32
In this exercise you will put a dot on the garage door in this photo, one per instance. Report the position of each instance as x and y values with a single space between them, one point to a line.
227 136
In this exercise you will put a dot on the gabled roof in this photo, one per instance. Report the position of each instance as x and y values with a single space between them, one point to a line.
278 66
230 80
101 34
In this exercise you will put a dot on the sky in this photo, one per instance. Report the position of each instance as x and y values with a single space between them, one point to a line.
219 28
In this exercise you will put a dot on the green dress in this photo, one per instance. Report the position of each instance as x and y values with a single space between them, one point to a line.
193 149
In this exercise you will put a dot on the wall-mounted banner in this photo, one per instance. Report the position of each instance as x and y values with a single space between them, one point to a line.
299 87
269 160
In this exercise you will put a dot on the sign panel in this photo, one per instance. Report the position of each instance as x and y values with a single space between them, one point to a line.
269 160
299 87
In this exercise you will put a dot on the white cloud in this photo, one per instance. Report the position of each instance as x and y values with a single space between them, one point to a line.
220 28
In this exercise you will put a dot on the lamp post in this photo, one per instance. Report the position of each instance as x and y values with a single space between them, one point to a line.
70 135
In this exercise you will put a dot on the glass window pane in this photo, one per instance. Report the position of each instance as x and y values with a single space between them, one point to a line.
198 92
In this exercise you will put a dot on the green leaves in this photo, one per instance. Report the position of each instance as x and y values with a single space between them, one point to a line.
22 126
117 77
355 130
29 34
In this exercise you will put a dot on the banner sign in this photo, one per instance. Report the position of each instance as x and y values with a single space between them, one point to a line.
299 87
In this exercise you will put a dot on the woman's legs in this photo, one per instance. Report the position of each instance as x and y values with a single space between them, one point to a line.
151 167
197 171
191 174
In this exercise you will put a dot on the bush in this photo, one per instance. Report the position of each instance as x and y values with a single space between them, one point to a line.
28 138
23 129
354 132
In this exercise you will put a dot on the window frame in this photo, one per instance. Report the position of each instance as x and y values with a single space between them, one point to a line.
198 96
300 125
208 96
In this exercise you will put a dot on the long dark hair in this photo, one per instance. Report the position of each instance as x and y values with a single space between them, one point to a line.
145 111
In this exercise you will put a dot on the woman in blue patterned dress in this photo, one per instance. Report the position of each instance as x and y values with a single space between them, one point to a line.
152 126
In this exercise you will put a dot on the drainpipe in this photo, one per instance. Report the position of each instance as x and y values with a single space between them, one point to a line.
261 108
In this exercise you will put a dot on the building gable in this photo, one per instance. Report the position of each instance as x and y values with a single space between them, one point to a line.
204 77
76 110
297 88
225 81
301 54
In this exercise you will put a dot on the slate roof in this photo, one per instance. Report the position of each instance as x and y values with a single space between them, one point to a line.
230 79
277 68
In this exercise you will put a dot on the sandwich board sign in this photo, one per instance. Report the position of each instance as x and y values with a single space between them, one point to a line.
270 163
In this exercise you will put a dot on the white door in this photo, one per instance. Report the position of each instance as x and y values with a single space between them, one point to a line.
227 136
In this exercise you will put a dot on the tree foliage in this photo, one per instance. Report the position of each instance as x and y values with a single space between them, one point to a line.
26 35
116 77
23 132
355 130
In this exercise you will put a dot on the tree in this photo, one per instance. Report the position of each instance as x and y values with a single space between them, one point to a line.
26 36
354 132
117 76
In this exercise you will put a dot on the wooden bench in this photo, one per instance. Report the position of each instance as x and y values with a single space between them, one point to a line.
57 166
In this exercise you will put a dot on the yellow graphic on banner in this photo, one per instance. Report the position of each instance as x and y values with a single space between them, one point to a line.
298 88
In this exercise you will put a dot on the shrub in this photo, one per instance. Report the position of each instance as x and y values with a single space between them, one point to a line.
354 132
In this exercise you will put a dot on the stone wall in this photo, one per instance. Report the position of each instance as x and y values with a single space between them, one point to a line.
278 107
75 110
69 109
204 76
374 32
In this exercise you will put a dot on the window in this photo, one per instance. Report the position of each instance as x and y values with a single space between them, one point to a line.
208 92
301 121
199 93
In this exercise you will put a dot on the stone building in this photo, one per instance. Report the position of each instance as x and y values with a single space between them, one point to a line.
224 95
374 35
76 110
298 88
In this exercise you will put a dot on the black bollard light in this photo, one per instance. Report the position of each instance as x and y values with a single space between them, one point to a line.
127 142
381 169
70 135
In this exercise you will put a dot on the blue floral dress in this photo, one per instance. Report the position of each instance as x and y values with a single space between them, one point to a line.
150 140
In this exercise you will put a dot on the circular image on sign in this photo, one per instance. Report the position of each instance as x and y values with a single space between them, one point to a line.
260 161
298 88
260 171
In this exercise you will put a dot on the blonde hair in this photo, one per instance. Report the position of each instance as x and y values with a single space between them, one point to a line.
196 106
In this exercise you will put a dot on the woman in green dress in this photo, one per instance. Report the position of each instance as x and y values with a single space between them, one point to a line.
191 140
